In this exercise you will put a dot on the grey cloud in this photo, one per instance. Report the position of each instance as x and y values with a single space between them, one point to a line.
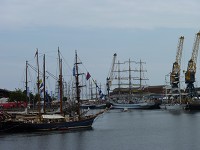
100 14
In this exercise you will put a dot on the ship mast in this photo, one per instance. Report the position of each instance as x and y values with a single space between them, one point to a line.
38 84
119 76
130 75
60 81
44 107
26 83
77 84
119 79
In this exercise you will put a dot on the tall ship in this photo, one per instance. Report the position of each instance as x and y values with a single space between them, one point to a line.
42 121
126 91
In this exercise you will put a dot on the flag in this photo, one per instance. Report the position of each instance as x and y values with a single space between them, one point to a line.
88 76
100 91
101 96
41 90
41 85
40 81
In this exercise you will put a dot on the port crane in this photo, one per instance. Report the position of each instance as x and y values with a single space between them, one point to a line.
191 69
175 74
110 74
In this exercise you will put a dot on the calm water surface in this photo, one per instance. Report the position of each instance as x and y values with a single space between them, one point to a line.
115 130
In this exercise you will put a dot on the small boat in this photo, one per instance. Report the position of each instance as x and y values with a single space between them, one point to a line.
125 110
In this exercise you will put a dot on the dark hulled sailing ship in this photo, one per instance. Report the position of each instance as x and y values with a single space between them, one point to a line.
46 122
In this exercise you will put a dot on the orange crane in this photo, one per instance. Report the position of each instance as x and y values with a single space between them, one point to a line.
175 74
191 69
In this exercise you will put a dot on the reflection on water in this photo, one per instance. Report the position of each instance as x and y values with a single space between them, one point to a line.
116 130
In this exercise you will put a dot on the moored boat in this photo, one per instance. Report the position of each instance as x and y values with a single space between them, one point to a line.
128 94
45 122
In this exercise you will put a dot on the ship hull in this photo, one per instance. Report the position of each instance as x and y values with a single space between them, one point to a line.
18 126
195 107
93 106
173 106
135 106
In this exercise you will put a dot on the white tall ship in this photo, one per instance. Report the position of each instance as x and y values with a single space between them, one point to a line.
125 91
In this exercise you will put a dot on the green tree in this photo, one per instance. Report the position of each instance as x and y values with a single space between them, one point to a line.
17 96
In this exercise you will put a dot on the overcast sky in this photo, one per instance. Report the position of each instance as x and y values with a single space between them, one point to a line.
140 30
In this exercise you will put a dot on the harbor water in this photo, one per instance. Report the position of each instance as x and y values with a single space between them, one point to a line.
116 130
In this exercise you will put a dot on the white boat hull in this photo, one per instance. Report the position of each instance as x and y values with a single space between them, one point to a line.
132 106
172 106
